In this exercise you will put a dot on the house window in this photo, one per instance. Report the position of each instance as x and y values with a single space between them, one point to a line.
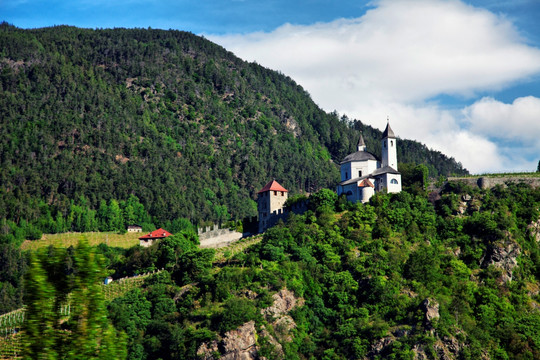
393 181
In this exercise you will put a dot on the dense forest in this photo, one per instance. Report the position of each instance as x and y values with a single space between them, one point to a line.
452 275
93 119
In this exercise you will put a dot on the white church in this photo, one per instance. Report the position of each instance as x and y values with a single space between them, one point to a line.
362 174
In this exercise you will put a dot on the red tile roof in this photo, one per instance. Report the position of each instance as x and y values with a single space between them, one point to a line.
156 234
272 186
365 183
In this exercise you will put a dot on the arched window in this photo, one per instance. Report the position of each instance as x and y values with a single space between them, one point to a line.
393 181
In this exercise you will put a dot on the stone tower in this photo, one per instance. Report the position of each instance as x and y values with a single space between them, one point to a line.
270 204
389 148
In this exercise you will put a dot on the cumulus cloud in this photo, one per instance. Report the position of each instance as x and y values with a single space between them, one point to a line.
399 55
521 119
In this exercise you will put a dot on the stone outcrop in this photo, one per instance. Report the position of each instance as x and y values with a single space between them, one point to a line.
284 301
503 255
534 229
242 343
447 348
431 312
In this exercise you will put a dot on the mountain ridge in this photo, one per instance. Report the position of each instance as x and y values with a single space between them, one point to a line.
183 124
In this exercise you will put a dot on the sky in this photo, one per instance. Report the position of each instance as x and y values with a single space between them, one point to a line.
461 76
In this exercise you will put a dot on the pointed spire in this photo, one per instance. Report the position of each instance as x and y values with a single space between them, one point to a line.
361 144
388 132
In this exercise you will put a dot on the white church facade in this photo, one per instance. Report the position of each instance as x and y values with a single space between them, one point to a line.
362 174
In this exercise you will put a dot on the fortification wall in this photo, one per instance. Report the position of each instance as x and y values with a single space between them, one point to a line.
213 236
486 182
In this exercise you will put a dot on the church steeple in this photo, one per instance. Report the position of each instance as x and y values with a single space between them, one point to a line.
389 145
388 132
361 144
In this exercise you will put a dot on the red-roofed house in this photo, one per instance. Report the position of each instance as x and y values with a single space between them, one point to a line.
270 204
148 239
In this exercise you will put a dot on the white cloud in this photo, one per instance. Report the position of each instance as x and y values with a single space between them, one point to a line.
396 57
519 120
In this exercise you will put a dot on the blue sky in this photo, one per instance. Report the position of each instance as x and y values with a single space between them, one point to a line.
461 76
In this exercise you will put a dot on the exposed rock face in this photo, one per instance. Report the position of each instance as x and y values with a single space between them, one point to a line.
534 228
284 301
504 256
447 348
207 350
278 349
431 312
241 344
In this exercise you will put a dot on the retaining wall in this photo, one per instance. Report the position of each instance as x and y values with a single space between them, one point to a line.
486 182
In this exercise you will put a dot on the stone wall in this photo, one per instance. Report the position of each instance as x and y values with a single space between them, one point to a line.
486 182
212 232
214 237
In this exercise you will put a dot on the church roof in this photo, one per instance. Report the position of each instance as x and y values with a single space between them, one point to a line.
365 183
388 132
359 156
272 186
354 180
385 170
378 172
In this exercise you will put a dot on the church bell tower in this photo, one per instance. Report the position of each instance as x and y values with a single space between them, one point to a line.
389 146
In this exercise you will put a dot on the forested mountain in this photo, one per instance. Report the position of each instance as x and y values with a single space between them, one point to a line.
89 117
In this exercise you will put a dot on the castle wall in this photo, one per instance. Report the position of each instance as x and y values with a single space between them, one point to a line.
485 182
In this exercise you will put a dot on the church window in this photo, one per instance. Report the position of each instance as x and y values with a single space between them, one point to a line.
359 173
393 181
391 142
384 144
346 175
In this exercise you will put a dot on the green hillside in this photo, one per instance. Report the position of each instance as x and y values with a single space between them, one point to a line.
90 117
399 278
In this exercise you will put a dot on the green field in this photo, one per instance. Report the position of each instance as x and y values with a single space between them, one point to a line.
65 240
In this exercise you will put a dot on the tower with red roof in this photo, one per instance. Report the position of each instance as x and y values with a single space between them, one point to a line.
271 204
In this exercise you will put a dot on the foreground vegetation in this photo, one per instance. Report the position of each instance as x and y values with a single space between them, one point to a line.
396 278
